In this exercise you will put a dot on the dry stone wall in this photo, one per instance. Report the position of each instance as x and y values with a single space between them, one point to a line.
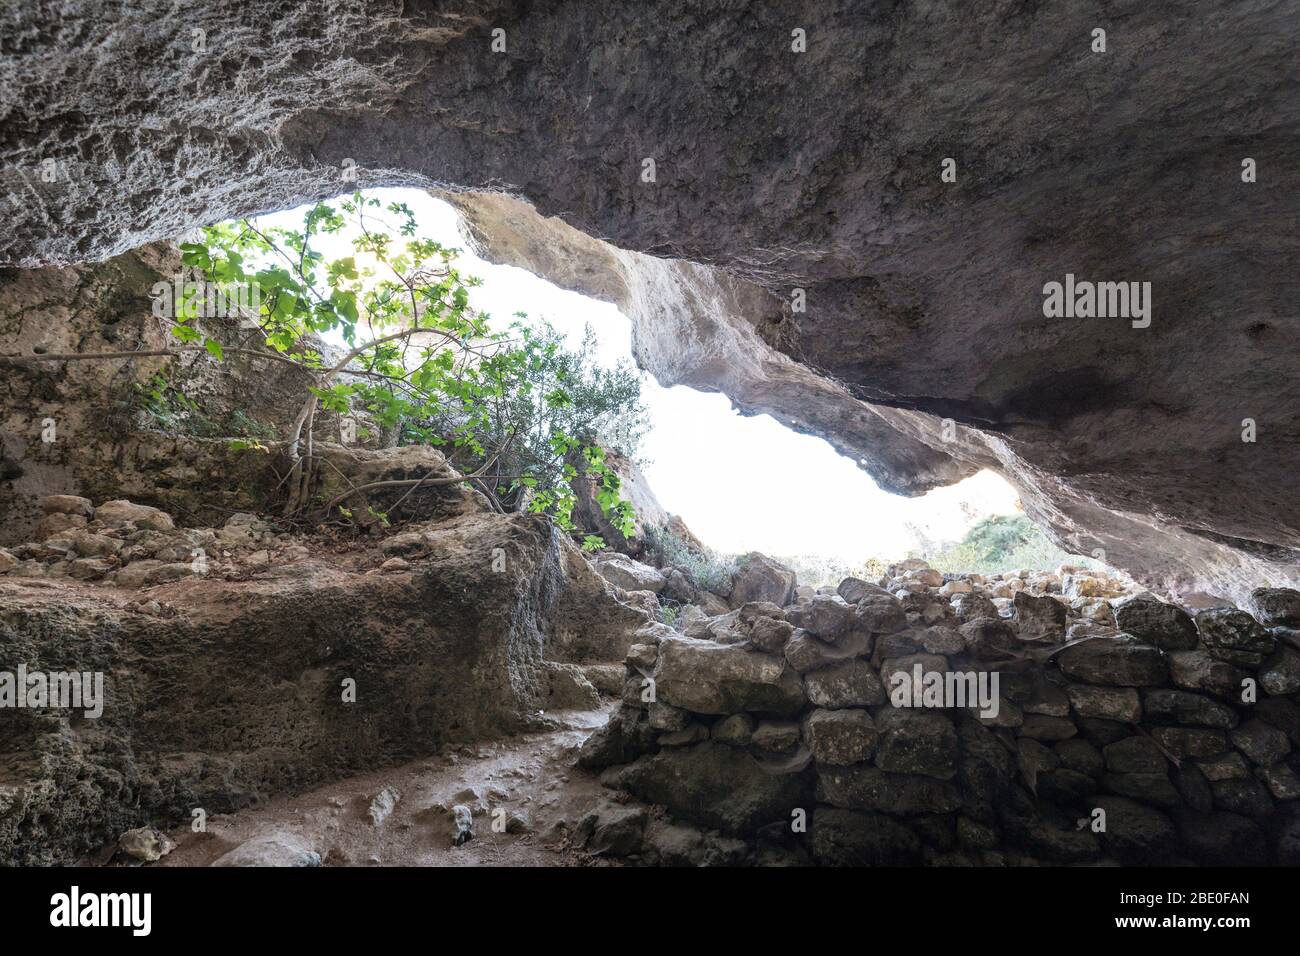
1046 718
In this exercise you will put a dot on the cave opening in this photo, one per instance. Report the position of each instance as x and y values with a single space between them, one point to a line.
741 483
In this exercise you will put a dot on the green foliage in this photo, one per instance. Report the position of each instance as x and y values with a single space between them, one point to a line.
1002 543
706 568
167 408
512 408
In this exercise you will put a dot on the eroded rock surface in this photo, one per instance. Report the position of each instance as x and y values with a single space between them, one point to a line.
778 170
241 662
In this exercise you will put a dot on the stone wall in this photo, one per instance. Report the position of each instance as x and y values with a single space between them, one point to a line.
1098 725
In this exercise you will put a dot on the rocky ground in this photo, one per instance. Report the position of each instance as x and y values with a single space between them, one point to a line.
525 798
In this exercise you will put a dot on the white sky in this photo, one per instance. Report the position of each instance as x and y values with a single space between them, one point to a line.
739 483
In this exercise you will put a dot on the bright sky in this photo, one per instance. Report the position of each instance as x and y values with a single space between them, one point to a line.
739 483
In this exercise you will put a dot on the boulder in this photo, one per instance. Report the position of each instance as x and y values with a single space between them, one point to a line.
706 677
736 730
146 844
1135 833
1184 707
612 830
1185 742
1280 674
775 736
1198 671
806 653
1234 636
54 524
854 590
678 587
383 804
828 617
851 683
990 638
916 742
629 574
1109 703
864 787
1039 618
275 849
973 605
624 737
840 737
1276 607
770 635
1136 754
67 505
1261 742
1121 660
1166 626
759 578
717 786
122 513
850 838
880 615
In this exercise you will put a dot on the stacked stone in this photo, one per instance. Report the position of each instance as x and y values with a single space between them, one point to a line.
133 545
1125 729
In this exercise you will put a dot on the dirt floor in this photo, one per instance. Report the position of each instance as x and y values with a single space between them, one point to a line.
530 778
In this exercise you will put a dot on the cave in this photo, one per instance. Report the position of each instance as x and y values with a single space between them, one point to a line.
950 243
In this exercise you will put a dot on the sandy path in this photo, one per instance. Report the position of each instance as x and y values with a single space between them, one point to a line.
532 776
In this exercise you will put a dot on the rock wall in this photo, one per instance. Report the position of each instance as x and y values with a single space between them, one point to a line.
241 662
778 170
81 427
959 720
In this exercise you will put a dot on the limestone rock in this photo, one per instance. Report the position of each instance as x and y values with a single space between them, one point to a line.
1110 703
806 653
916 742
122 513
145 843
851 683
1183 707
67 505
759 578
840 737
863 787
706 677
1166 626
825 616
275 849
629 574
850 838
1198 671
716 786
1039 618
1263 743
1276 607
1121 660
1234 636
